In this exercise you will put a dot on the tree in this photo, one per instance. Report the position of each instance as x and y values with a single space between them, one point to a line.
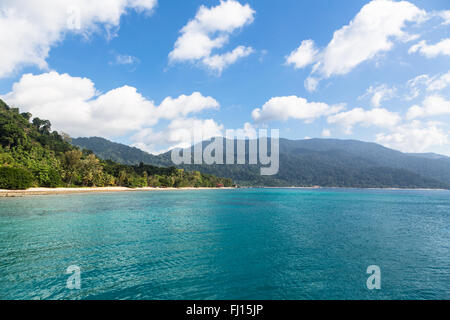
91 171
26 115
43 126
122 179
72 164
15 178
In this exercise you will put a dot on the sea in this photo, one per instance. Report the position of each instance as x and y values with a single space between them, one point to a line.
240 244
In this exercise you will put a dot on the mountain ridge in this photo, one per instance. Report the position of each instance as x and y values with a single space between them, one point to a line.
315 162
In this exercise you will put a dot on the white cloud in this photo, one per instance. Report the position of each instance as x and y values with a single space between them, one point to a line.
375 117
284 108
374 30
73 105
414 137
432 106
379 94
116 112
326 133
31 27
432 50
304 55
183 105
209 30
220 61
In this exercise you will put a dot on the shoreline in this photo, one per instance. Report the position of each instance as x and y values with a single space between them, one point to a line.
56 191
59 191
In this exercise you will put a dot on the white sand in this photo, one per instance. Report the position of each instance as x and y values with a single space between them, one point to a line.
44 191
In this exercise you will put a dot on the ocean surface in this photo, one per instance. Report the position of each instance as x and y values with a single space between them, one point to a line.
227 244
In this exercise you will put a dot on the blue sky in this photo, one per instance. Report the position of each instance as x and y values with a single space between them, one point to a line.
115 75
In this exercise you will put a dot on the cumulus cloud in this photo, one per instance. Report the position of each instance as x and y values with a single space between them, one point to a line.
374 30
375 117
31 27
379 94
414 137
183 105
74 105
304 55
209 30
293 107
432 50
432 106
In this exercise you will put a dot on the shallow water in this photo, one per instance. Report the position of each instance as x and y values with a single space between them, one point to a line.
227 244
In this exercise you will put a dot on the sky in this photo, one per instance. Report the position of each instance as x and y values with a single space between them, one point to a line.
148 73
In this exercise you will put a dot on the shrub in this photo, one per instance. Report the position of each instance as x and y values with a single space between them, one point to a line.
53 179
15 178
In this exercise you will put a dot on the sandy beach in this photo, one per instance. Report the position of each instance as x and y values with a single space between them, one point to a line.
51 191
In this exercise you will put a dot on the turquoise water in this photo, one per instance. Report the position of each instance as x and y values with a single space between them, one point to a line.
227 244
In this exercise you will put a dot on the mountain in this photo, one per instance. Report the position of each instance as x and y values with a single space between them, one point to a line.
117 152
437 168
318 162
31 154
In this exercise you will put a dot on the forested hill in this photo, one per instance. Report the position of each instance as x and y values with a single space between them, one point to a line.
31 154
117 152
318 162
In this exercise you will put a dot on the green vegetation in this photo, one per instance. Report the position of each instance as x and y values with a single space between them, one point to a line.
15 178
33 155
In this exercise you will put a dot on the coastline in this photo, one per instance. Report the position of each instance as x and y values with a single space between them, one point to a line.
59 191
55 191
